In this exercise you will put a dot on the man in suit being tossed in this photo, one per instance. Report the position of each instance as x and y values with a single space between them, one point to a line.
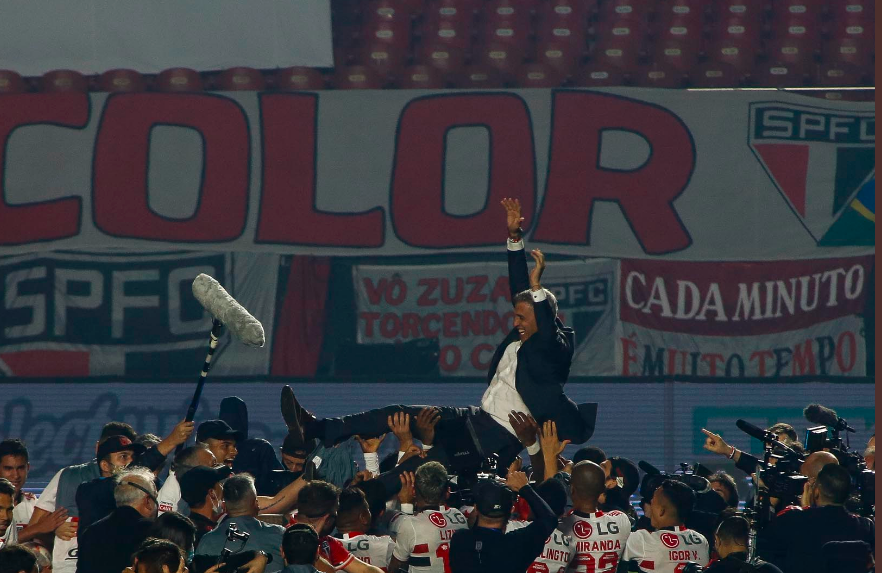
525 382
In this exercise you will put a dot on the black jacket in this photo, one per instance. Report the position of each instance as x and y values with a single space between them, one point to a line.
794 541
737 563
501 552
544 364
108 544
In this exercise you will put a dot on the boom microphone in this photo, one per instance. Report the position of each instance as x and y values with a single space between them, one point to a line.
648 468
817 414
754 431
212 296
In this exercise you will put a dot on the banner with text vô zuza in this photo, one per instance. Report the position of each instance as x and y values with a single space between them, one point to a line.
760 320
621 173
467 307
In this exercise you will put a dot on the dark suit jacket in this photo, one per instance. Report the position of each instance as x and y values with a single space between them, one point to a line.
794 541
544 364
107 545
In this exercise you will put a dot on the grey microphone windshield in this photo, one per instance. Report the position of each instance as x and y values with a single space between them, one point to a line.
212 296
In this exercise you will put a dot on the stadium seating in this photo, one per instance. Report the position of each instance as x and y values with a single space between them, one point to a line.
63 81
179 80
495 43
11 82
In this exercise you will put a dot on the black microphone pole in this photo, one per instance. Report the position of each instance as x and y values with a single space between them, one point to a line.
214 335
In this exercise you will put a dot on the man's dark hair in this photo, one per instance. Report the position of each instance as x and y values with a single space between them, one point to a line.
6 487
375 492
317 498
527 296
154 553
834 483
555 495
176 528
14 447
681 497
734 529
238 491
727 482
352 501
786 429
117 429
187 459
590 453
300 543
15 558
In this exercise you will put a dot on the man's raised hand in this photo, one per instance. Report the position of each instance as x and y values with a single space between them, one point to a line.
399 423
513 218
715 443
370 445
551 446
525 427
425 424
407 494
538 269
516 480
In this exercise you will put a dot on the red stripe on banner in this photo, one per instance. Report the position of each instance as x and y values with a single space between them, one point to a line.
300 325
421 548
39 363
788 165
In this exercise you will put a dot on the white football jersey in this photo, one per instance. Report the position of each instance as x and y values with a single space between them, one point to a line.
667 551
372 549
559 550
24 510
424 539
599 540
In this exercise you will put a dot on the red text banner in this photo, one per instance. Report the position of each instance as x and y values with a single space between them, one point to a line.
762 319
600 173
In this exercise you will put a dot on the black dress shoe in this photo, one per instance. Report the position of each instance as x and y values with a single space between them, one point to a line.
296 417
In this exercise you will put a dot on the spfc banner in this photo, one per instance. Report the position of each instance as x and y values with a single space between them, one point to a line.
823 163
467 308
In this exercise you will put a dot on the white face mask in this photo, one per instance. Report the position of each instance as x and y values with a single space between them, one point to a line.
217 506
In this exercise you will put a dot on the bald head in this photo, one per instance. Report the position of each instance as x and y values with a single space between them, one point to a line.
816 462
588 482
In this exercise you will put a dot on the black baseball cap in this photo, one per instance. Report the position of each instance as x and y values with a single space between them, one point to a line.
196 483
217 429
115 444
494 499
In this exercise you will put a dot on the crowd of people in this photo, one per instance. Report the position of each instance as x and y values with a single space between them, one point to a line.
222 504
459 496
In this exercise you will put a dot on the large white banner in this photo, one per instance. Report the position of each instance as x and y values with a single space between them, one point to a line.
602 173
93 36
467 307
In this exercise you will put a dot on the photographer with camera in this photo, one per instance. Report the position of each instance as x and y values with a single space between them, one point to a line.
671 545
486 546
731 541
794 540
240 502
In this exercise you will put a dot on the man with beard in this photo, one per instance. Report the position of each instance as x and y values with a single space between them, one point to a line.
95 498
8 533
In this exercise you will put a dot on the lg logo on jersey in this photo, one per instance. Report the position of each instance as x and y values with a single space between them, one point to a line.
583 529
670 540
438 520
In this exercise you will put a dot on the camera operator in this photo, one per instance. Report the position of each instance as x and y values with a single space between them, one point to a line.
794 540
486 547
731 540
747 463
671 545
240 501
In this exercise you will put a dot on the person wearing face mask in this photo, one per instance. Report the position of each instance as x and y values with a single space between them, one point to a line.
202 490
107 545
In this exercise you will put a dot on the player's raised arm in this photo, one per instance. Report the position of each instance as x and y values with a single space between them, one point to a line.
518 277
